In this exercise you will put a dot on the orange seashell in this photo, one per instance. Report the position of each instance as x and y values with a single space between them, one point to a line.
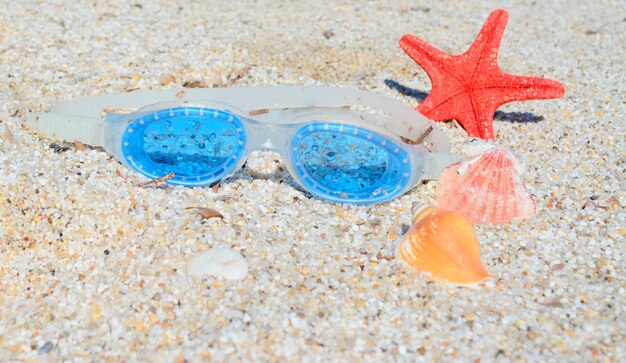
443 244
487 188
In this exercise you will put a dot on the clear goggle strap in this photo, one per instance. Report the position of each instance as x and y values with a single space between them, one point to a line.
436 162
82 119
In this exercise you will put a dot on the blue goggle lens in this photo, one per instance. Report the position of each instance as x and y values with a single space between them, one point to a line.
349 164
198 145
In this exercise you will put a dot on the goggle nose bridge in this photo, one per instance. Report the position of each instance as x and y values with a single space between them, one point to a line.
267 136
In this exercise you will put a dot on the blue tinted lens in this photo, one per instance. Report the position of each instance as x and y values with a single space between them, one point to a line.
347 163
188 146
198 145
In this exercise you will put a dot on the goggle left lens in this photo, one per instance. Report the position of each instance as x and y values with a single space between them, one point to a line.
198 145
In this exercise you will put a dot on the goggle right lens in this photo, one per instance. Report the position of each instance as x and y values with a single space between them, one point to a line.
349 164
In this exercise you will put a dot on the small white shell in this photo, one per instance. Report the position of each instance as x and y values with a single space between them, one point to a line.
219 262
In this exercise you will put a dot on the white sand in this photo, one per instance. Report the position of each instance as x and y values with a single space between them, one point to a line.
93 268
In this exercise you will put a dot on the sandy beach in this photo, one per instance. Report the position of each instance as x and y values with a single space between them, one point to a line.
93 264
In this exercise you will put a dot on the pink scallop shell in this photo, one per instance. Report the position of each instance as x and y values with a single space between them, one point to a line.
486 189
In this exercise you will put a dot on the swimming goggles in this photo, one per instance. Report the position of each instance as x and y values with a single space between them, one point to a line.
339 144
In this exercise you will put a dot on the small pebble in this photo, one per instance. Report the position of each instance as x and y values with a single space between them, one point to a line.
45 348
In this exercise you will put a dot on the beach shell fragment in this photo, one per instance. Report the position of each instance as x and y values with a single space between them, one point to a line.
443 244
7 135
486 189
219 262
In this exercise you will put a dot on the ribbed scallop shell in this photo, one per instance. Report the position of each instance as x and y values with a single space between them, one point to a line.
486 189
443 244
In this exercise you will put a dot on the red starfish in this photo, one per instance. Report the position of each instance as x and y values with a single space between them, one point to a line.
470 87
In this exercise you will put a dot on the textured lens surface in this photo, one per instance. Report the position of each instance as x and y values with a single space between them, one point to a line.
346 163
189 146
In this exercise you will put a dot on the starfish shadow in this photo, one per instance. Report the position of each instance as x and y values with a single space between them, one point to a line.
500 115
411 92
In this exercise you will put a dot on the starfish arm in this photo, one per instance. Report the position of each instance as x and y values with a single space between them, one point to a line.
432 60
475 115
508 88
441 106
484 51
484 112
